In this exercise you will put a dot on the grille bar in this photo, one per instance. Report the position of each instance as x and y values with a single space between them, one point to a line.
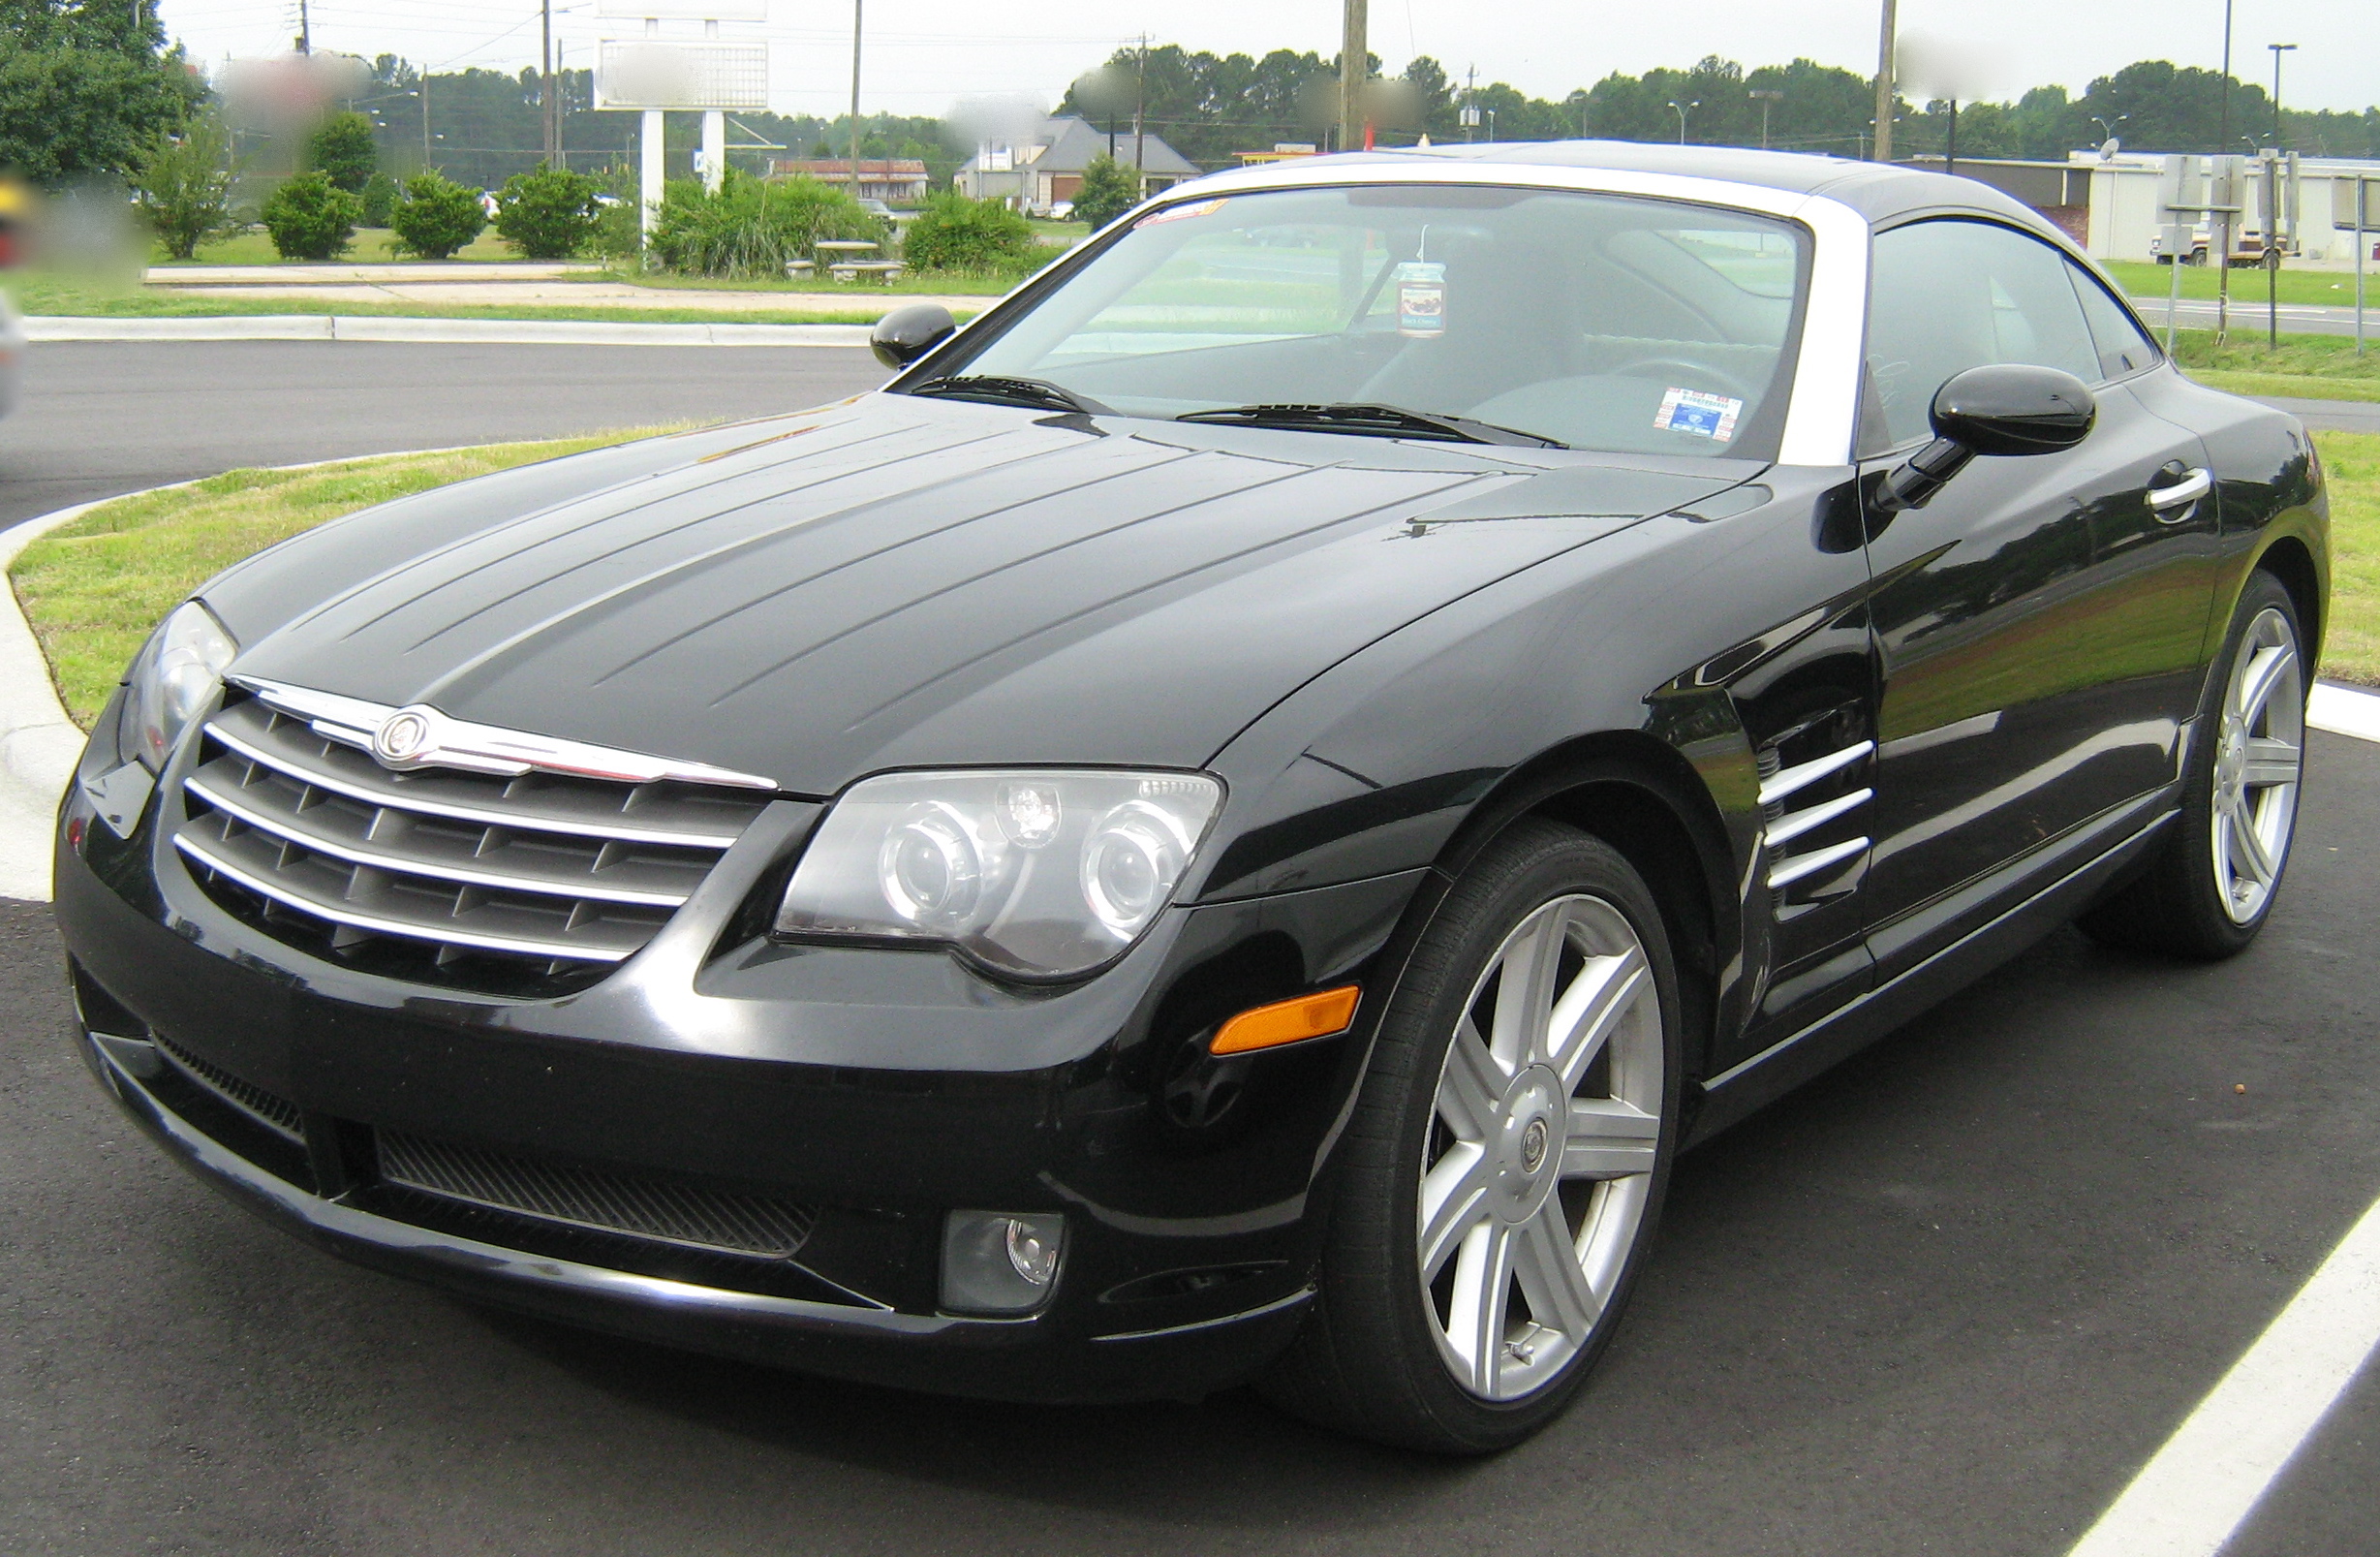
347 833
518 883
553 805
603 1200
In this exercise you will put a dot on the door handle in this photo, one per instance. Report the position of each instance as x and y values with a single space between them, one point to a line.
2174 503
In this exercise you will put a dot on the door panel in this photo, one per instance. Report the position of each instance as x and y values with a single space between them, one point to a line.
2036 624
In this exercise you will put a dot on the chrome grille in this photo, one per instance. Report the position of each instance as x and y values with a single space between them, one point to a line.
605 1200
270 1110
516 883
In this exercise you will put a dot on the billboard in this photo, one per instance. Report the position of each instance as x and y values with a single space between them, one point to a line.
684 10
642 73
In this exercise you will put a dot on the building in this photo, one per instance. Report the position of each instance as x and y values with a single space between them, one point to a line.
1046 169
894 180
2109 204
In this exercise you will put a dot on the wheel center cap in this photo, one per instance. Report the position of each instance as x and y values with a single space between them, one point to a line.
1528 1143
2231 762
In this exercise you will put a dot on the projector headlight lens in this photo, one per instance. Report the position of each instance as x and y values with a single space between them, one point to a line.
1033 874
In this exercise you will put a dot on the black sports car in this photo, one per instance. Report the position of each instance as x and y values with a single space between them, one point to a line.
1230 822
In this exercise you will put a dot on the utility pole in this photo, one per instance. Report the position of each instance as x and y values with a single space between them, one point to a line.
1140 126
426 116
858 6
1764 96
305 29
1884 84
1354 64
545 89
2278 50
2221 237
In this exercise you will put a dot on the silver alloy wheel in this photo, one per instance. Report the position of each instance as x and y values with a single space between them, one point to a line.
2258 756
1540 1158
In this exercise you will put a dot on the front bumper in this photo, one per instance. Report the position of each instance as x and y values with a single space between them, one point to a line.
1192 1237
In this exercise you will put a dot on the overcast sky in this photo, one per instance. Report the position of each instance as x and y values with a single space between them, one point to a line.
923 55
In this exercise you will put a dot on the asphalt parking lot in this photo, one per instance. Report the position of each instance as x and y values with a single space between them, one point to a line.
1947 1300
106 417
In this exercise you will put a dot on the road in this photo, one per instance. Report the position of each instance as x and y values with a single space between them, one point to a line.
2247 311
100 419
1947 1299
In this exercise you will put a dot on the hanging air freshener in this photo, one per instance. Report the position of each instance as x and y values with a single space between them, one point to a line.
1421 299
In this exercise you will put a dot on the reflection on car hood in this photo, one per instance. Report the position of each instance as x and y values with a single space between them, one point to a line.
897 582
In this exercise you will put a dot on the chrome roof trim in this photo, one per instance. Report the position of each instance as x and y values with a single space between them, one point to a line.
1824 413
434 739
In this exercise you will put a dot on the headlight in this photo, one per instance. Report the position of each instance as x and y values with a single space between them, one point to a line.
1035 873
173 678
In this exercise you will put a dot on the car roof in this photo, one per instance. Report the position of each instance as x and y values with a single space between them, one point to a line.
1882 192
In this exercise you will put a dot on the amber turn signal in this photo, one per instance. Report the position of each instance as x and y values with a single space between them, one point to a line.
1287 1021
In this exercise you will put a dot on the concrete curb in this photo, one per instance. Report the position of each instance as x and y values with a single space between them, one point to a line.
39 744
439 332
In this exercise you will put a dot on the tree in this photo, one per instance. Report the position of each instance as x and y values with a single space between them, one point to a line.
341 150
183 185
956 234
1109 190
436 217
86 88
549 214
380 197
311 218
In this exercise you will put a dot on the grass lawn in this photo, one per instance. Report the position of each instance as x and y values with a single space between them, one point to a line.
370 247
55 295
2313 367
94 588
2334 288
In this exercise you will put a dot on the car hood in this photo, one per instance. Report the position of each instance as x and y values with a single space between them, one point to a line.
900 582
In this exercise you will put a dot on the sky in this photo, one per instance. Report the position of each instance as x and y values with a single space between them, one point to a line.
925 56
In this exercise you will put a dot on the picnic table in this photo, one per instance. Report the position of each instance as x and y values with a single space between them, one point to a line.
843 260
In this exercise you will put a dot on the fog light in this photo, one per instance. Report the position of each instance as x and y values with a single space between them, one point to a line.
1000 1262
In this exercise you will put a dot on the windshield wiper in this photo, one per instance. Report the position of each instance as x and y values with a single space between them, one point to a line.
1374 421
996 390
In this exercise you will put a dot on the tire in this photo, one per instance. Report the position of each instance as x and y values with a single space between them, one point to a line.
2212 884
1569 1150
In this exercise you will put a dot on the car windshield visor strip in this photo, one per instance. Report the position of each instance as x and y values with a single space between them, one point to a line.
1558 318
524 885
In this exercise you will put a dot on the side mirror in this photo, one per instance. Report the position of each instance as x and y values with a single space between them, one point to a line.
906 334
2005 409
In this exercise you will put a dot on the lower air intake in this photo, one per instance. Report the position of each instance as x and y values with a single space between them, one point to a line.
690 1216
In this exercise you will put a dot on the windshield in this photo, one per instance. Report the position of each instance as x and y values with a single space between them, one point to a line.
1594 320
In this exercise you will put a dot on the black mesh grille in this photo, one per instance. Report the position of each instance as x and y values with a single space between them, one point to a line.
270 1110
607 1201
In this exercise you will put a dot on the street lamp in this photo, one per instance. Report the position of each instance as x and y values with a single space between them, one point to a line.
1764 96
1682 108
2107 127
2278 50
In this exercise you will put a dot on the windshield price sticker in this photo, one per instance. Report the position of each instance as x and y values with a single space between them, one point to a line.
1421 299
1706 415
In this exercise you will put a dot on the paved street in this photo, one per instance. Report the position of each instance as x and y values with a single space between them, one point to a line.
1944 1300
100 419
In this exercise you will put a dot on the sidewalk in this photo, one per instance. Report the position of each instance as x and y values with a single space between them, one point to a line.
518 286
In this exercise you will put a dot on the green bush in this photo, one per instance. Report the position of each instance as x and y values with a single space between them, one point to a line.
380 197
311 218
1109 190
617 234
549 214
341 149
184 186
436 217
954 233
751 228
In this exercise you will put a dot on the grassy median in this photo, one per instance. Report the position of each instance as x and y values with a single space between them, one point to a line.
93 589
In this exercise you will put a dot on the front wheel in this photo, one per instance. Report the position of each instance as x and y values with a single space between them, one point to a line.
1508 1157
2212 882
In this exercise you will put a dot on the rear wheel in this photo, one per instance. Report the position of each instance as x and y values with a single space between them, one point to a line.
2212 883
1508 1157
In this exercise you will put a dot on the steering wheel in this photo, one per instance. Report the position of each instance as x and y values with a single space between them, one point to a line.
1685 372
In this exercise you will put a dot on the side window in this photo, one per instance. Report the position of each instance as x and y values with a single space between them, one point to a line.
2122 349
1947 295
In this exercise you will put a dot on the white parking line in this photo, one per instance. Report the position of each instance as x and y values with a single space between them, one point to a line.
2211 1474
2225 1456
